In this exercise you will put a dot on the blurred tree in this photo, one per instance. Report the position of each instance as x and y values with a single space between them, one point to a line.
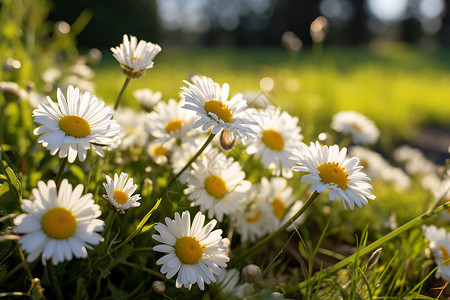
110 20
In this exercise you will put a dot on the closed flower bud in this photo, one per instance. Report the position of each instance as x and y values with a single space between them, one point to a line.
158 287
227 140
373 259
251 273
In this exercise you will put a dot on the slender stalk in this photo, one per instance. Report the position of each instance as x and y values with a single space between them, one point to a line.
2 117
109 221
63 165
207 142
147 270
270 237
53 282
125 84
373 246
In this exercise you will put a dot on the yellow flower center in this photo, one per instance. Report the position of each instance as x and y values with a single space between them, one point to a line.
273 140
59 223
160 150
188 250
278 208
120 197
135 58
75 126
255 217
445 255
356 127
174 125
333 173
222 111
215 186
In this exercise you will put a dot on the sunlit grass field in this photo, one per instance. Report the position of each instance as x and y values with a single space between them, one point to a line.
400 87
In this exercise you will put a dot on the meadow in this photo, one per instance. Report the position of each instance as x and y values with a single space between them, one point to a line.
311 246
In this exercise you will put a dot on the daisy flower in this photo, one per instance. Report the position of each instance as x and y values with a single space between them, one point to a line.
440 247
119 192
194 251
132 130
217 185
12 91
362 130
59 224
252 222
135 58
210 102
329 168
147 98
281 201
160 152
77 124
228 283
278 135
169 121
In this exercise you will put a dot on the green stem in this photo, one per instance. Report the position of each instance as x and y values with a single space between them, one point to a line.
210 138
280 230
109 221
147 270
2 117
373 246
61 171
125 84
53 282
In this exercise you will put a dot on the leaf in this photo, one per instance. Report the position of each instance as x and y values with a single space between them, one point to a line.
141 224
77 172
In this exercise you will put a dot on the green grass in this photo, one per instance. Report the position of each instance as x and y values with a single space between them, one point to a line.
399 87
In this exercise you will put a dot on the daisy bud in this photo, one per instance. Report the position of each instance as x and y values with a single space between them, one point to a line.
276 295
227 140
158 287
251 273
373 259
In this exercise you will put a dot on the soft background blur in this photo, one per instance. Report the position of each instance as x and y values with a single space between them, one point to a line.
386 59
258 22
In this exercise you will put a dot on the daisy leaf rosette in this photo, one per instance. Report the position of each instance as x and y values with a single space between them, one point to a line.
58 225
210 102
328 167
135 58
75 125
119 192
278 135
195 252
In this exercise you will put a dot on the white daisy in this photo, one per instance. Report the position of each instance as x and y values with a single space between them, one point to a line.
195 252
119 192
160 152
210 102
362 130
147 98
440 247
12 91
77 124
228 283
329 168
60 224
135 58
278 135
217 185
281 200
376 167
253 221
132 130
168 121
